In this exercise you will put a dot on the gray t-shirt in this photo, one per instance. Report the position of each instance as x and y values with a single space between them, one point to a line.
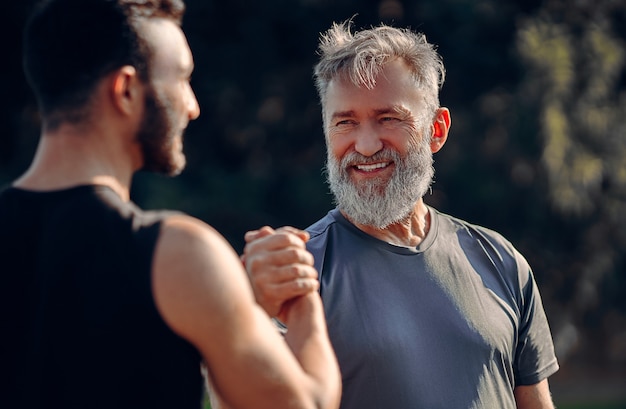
455 323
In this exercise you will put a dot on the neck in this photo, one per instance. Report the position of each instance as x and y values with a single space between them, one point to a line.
67 159
408 232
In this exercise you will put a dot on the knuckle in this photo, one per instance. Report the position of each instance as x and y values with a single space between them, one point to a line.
293 253
290 239
295 271
302 284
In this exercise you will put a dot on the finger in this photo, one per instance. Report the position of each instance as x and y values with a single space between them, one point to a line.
272 297
278 275
267 261
274 242
276 295
302 234
257 234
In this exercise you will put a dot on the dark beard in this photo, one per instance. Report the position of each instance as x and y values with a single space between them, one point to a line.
156 136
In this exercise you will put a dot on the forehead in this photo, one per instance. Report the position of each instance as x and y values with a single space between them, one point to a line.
171 53
395 86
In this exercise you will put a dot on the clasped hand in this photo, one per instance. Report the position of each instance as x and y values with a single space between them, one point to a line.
279 267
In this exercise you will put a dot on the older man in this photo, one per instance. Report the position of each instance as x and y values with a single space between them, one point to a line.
424 310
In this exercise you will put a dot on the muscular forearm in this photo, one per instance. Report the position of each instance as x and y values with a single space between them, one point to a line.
307 337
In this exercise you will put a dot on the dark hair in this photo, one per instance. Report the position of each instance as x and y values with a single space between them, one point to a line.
69 45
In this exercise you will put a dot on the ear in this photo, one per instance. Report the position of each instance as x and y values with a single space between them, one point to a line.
440 128
126 90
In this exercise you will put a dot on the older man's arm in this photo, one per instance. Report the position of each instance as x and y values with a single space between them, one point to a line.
535 396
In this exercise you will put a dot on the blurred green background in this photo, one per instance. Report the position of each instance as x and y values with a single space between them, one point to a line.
537 92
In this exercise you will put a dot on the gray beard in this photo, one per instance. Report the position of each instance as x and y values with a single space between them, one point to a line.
372 203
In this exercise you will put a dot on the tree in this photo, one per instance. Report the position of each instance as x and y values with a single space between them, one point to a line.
576 81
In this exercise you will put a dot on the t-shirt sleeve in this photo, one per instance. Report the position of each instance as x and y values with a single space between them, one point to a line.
535 358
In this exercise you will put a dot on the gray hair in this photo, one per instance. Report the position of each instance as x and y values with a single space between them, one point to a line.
361 56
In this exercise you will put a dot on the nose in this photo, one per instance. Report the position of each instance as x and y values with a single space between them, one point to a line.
192 105
368 141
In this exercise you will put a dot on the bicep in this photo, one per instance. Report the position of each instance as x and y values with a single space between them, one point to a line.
535 396
203 294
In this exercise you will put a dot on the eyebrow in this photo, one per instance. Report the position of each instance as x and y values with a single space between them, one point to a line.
342 114
394 109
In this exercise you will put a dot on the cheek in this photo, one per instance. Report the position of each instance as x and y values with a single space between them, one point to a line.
175 97
409 137
338 145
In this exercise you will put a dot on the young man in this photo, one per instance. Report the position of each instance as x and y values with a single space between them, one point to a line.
108 306
424 310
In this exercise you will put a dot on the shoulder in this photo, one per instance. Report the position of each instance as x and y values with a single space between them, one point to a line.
191 249
465 230
195 271
320 233
321 227
475 239
183 233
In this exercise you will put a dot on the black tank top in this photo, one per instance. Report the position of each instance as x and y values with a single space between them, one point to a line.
79 324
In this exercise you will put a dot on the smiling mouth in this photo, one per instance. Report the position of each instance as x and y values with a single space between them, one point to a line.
372 167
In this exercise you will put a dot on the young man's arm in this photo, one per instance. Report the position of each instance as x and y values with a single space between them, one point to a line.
202 292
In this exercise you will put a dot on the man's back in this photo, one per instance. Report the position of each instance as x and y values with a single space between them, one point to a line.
76 271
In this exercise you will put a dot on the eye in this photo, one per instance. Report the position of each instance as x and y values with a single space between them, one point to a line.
344 122
389 119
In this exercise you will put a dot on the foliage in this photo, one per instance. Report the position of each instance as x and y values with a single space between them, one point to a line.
576 72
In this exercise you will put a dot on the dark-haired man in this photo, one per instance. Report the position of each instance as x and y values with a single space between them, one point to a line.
104 305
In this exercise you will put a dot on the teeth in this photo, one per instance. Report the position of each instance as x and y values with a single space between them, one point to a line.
373 166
